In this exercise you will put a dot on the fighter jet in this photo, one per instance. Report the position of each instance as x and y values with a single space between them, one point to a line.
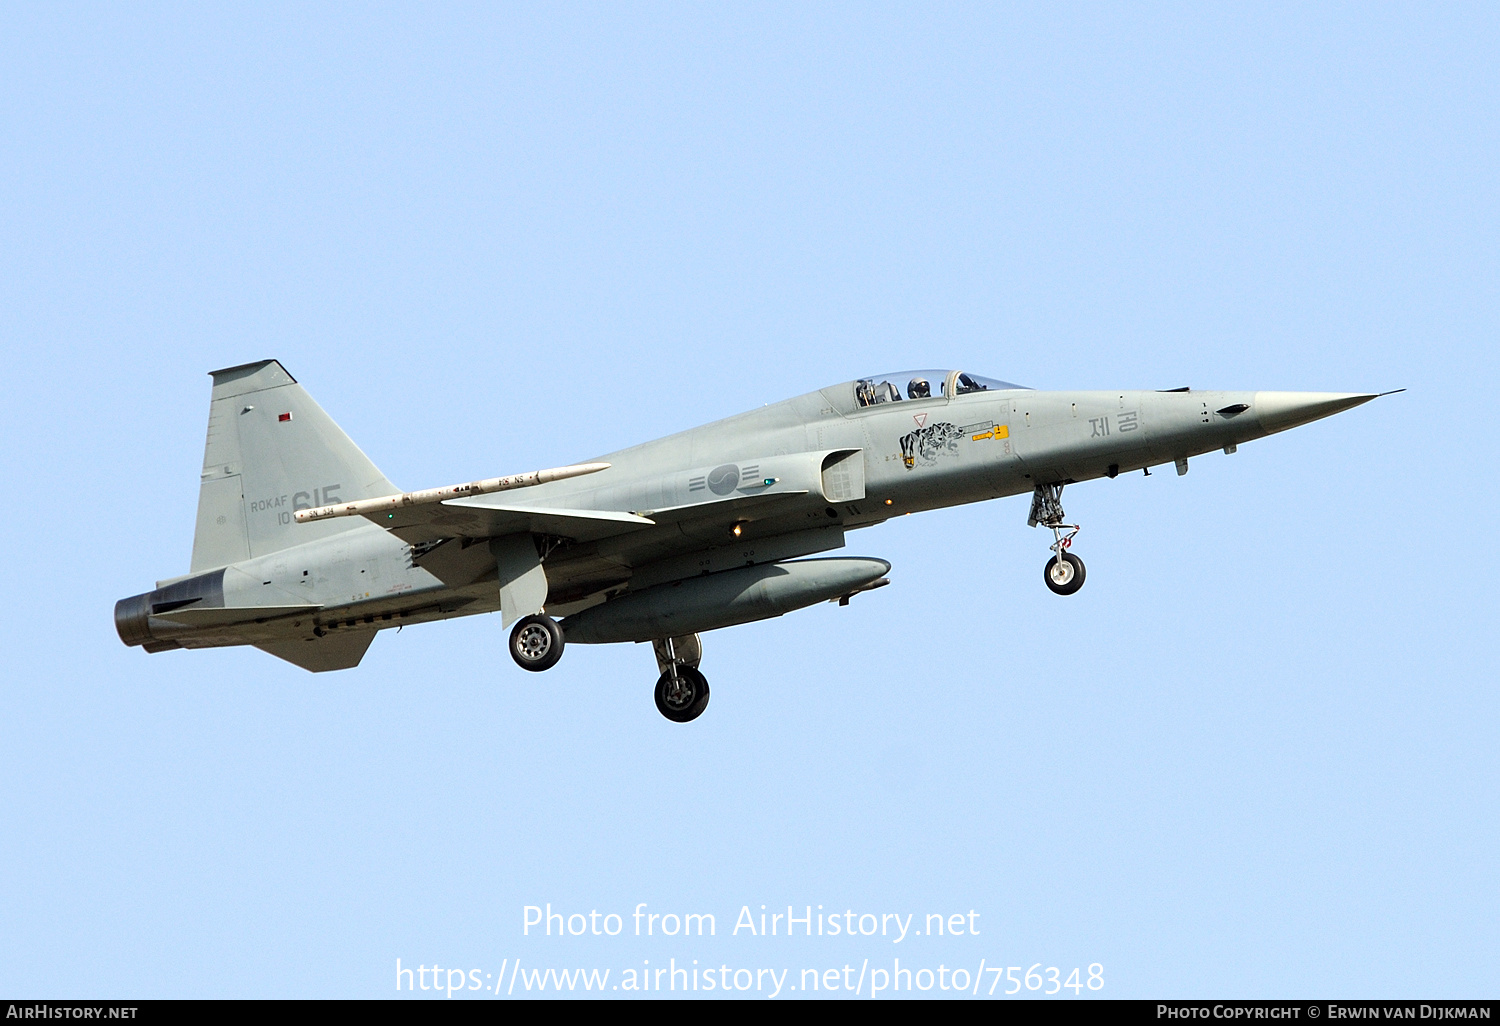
305 550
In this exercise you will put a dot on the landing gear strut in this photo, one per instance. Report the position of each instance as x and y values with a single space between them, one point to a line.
1064 572
681 691
536 642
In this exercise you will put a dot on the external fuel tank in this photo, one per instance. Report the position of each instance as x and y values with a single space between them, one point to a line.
723 599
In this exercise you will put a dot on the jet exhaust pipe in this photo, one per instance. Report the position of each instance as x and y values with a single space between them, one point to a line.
136 626
706 603
135 617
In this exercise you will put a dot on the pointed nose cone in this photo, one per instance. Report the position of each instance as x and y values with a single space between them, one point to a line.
1281 410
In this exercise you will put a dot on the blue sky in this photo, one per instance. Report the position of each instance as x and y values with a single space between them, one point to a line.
1253 757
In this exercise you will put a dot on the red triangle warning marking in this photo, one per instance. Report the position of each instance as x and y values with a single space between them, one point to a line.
920 418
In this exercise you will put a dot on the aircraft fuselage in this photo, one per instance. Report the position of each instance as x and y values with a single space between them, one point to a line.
620 553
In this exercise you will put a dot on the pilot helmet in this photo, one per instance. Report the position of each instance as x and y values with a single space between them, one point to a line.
918 388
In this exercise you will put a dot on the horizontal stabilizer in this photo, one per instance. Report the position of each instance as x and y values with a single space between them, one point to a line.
476 518
334 652
221 616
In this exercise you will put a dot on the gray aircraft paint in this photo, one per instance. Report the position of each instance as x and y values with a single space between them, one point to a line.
763 488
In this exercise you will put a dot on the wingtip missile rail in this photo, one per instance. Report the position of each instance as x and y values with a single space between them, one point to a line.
384 503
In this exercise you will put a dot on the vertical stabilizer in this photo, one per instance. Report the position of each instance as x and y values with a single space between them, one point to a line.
271 451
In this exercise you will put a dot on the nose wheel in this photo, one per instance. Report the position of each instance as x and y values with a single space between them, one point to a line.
1064 572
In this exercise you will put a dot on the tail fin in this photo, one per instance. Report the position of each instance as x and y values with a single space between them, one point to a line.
271 450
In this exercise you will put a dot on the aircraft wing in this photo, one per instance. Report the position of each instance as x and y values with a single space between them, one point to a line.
711 519
468 511
475 518
722 507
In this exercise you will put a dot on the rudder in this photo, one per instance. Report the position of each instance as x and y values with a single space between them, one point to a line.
271 450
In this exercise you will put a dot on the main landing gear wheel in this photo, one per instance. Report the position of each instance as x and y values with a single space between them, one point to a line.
1064 576
536 642
682 697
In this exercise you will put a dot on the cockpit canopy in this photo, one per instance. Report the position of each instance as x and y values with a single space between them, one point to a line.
922 384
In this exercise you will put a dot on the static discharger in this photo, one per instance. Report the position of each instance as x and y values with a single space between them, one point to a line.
387 503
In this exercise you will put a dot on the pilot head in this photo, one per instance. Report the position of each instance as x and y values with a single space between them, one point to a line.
919 389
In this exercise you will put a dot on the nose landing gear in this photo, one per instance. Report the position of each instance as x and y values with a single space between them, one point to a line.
1064 572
